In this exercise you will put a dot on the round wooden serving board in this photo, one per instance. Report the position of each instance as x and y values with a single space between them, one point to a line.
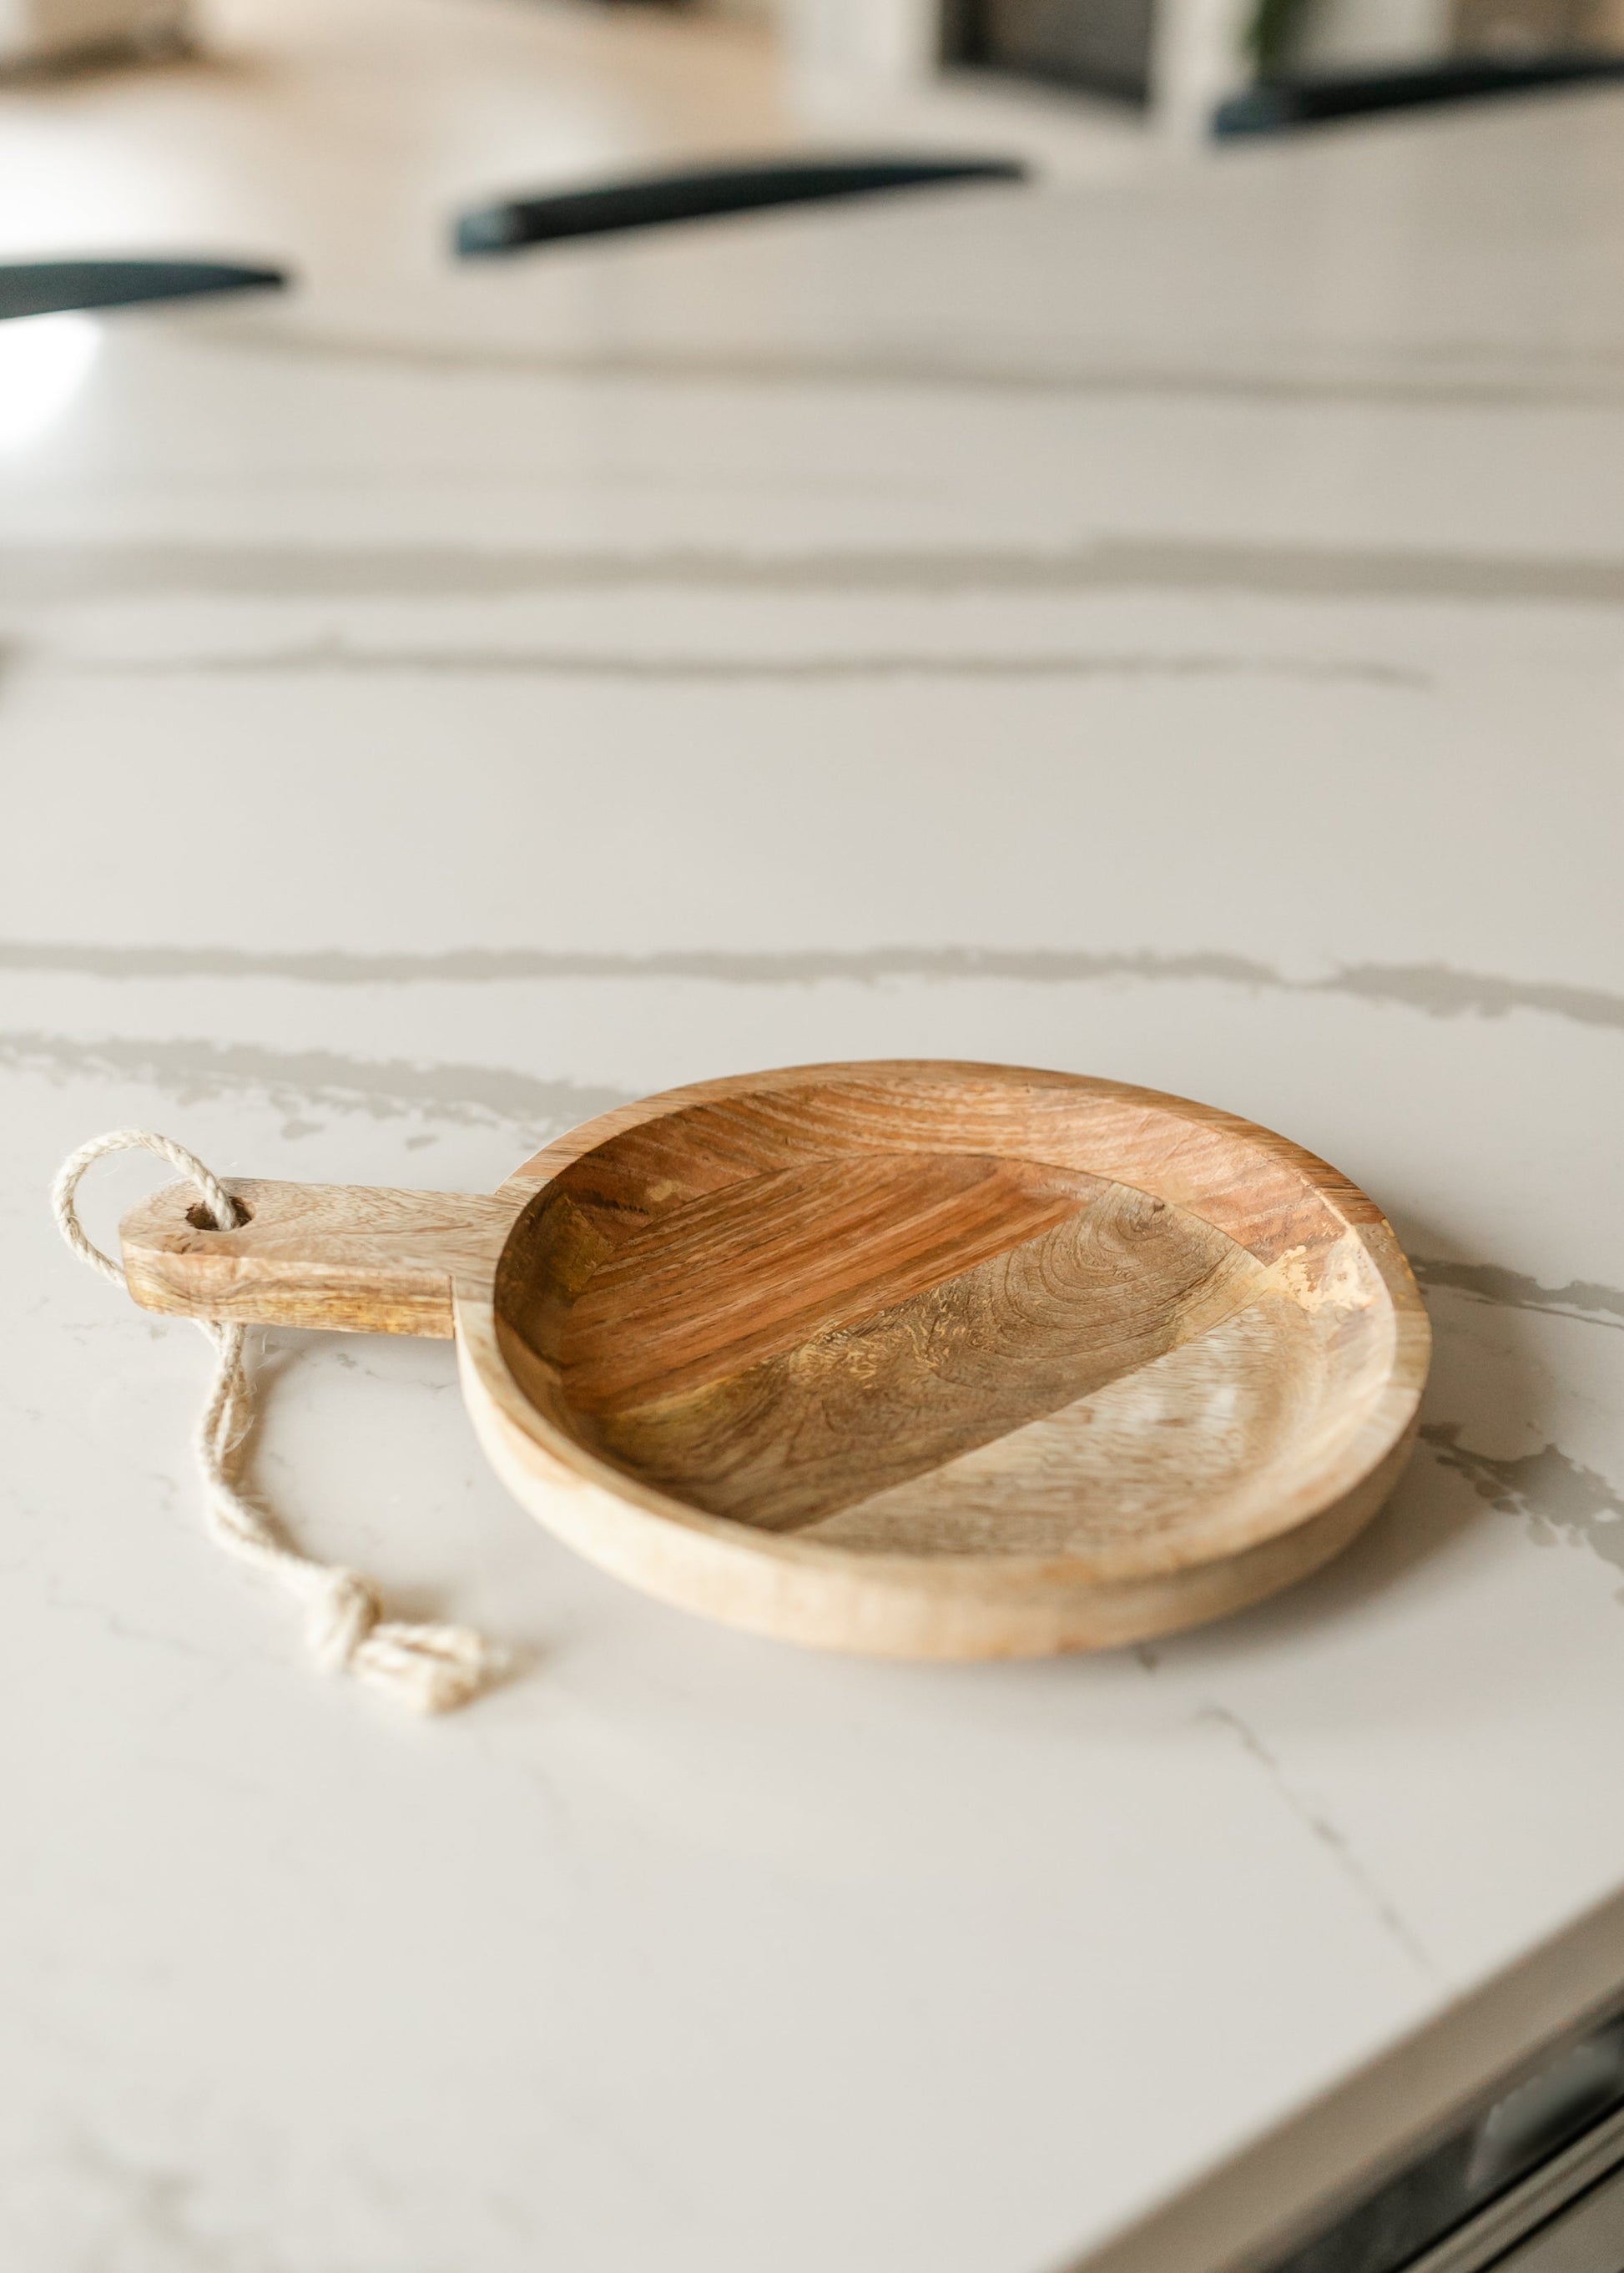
927 1360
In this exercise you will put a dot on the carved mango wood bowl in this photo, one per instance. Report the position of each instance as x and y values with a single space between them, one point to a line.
924 1359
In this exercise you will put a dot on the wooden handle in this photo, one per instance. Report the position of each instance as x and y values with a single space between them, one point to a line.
359 1257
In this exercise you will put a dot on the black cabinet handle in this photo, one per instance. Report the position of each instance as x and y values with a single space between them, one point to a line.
651 200
46 288
1277 105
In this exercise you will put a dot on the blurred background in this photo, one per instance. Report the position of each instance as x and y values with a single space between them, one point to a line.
341 131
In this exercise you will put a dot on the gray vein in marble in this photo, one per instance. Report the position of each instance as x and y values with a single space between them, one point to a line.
792 967
1435 988
741 366
192 1071
1556 1496
1583 1298
1446 993
1330 1837
152 2211
333 656
117 1627
36 575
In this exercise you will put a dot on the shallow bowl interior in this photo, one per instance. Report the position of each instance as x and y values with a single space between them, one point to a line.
944 1311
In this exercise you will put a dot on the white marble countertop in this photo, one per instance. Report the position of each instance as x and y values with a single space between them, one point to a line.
1170 631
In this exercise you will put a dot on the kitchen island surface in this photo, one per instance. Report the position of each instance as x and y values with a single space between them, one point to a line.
1173 630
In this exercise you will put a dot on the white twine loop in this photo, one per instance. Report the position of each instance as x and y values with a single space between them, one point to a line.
434 1669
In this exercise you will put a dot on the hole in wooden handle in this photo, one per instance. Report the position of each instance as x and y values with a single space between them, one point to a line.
201 1217
364 1258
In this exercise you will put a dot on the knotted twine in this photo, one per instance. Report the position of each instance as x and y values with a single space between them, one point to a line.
433 1669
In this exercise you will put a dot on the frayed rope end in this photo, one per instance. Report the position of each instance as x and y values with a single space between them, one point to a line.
431 1668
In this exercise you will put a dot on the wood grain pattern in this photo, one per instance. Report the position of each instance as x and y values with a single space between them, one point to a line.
768 1264
361 1257
897 1391
924 1359
1263 1190
1206 1424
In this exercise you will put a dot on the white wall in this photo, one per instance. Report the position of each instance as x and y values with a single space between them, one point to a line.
889 42
1200 58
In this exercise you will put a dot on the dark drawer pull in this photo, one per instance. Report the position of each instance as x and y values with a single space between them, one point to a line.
653 200
46 288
